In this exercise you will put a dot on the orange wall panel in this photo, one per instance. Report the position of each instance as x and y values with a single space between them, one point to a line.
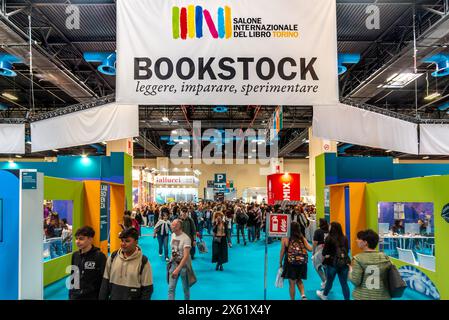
117 208
92 208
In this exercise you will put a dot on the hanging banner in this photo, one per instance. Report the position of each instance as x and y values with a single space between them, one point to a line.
434 139
230 52
103 211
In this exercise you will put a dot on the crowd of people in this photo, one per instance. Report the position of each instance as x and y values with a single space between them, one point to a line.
180 228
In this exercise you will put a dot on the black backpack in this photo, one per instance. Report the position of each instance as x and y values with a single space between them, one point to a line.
144 261
242 218
341 257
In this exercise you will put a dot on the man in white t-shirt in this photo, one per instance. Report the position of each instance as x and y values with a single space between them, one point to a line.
180 253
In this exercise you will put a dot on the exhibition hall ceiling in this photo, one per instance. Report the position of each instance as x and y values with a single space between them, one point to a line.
61 77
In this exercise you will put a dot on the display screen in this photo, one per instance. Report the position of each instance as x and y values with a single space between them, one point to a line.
406 231
57 228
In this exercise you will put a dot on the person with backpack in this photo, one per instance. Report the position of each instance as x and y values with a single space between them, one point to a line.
251 225
336 260
162 231
293 260
88 265
241 219
128 274
369 269
188 227
318 244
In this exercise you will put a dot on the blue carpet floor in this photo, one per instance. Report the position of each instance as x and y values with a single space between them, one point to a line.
242 278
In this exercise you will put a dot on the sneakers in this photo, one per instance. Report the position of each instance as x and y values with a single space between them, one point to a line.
167 259
303 298
160 254
321 295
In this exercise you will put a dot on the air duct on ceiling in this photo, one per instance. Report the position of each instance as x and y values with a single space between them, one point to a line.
441 61
107 60
6 64
347 58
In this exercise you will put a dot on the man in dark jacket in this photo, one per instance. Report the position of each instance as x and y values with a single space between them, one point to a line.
188 227
241 219
88 265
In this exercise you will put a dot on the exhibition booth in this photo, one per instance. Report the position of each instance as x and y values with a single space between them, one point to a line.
168 188
92 191
143 188
409 213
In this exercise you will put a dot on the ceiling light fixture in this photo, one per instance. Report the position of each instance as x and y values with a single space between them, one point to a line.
10 96
432 96
398 81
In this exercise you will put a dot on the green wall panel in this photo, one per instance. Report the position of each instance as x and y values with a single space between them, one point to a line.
426 189
61 189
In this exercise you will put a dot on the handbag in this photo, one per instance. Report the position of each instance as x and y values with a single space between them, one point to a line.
396 285
279 283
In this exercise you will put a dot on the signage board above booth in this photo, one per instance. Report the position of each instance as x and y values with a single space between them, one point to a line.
215 52
176 180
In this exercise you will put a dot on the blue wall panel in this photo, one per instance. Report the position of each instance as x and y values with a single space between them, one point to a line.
9 246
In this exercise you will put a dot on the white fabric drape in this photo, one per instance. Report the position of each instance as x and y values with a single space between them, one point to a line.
349 124
434 139
104 123
12 138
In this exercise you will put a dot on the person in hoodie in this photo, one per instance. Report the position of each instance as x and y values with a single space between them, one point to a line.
369 269
128 274
88 265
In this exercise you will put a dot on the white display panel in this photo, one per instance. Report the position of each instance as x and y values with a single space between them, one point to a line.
12 138
434 139
349 124
105 123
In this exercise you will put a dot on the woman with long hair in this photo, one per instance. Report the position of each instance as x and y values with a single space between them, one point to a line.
336 260
220 243
293 260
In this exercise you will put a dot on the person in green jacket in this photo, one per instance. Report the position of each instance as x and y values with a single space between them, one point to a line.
369 269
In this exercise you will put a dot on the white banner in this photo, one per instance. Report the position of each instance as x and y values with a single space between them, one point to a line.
234 52
176 180
104 123
12 138
365 128
434 139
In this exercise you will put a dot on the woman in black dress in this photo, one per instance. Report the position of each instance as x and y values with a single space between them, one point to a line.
294 258
220 241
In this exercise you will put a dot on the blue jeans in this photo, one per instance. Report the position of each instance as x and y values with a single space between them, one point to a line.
163 244
251 233
151 220
241 229
173 282
331 272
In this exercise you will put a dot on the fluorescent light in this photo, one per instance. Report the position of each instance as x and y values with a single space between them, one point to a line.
17 156
398 81
104 142
392 77
10 96
28 142
307 157
432 96
55 150
426 158
165 119
388 151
